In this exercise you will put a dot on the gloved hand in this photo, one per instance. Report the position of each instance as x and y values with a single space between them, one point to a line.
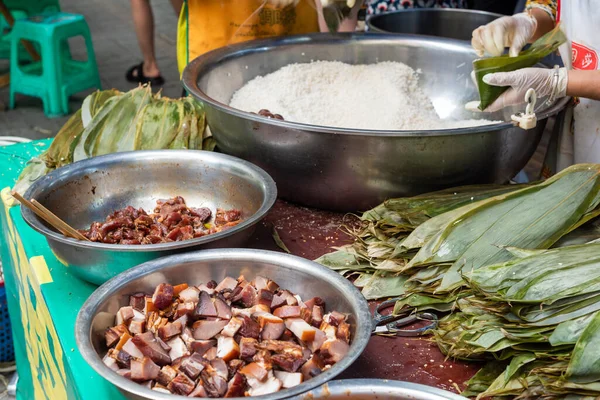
542 80
513 32
349 3
283 3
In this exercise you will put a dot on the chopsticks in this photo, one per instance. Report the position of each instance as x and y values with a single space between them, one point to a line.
49 217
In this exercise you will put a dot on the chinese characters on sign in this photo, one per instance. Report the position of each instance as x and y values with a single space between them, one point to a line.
584 58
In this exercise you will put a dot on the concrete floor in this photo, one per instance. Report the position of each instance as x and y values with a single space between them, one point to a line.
116 49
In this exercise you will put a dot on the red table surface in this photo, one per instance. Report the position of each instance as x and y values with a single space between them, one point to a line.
310 233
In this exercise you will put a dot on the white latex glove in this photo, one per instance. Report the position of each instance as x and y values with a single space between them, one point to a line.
513 32
542 80
349 3
283 3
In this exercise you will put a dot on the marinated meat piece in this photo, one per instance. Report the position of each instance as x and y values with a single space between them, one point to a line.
163 295
199 391
249 328
192 366
110 362
181 385
317 316
130 348
270 385
219 366
202 346
138 301
223 309
289 380
225 217
166 375
227 348
189 295
312 367
260 283
123 359
232 327
124 315
254 370
245 298
265 297
227 283
144 369
315 301
147 344
214 384
287 312
343 332
178 348
235 387
202 213
332 351
287 362
234 366
185 309
204 330
169 330
248 348
112 336
301 329
205 307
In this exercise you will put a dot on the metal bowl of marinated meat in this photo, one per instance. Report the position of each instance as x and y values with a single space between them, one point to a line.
356 169
377 389
448 23
300 276
90 190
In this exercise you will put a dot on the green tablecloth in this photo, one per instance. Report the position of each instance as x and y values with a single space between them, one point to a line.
43 299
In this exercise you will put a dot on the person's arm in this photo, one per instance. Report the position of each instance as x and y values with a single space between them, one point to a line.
545 23
347 25
584 84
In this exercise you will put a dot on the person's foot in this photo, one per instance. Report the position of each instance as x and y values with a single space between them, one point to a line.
143 73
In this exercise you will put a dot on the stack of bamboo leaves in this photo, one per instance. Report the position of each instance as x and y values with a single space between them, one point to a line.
537 316
110 121
462 251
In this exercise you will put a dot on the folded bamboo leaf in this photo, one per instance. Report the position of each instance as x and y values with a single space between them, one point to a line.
542 47
533 217
382 285
570 331
584 366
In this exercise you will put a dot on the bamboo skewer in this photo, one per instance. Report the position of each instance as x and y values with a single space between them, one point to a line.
49 217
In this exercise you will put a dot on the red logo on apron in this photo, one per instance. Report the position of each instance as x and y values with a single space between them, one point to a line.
584 57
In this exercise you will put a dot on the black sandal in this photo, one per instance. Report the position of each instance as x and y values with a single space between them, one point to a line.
136 74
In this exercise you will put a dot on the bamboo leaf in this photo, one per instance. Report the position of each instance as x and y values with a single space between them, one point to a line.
584 366
542 47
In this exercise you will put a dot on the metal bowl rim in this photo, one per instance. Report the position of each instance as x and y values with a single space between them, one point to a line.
269 198
349 384
87 312
191 74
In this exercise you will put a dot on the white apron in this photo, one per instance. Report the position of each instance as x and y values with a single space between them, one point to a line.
579 141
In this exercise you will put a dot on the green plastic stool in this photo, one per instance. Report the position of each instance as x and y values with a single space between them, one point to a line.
56 76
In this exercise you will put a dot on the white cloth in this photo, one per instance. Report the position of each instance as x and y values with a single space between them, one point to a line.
580 138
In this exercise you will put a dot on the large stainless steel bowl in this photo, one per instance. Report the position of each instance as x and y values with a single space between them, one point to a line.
352 169
306 278
377 389
90 190
442 22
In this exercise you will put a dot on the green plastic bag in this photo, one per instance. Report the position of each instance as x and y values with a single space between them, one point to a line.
542 47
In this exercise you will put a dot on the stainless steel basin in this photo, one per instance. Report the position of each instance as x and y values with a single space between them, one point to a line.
89 190
306 278
447 23
352 169
377 389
